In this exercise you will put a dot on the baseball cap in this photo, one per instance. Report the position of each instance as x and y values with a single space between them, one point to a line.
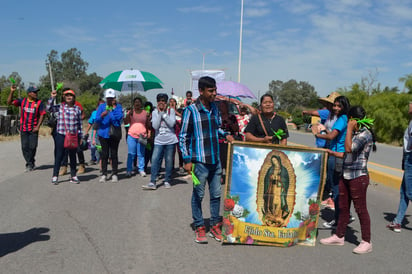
33 89
162 96
110 93
69 91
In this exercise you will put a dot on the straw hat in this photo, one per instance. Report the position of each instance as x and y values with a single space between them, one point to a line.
330 98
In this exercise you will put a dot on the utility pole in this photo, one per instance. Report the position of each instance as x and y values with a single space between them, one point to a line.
240 41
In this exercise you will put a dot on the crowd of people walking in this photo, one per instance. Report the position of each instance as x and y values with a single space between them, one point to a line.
198 133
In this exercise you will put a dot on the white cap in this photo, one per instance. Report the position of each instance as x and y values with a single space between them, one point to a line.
110 93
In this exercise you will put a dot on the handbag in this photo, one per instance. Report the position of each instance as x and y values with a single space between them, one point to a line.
71 140
142 140
115 132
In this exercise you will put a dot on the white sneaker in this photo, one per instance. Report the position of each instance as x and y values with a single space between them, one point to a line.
55 180
142 173
167 185
329 224
114 178
74 180
149 186
102 179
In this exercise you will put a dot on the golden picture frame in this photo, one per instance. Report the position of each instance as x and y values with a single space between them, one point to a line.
272 194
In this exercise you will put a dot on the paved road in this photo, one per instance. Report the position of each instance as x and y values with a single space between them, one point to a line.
119 228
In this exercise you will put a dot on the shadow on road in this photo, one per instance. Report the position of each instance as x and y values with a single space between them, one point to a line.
44 167
11 242
390 216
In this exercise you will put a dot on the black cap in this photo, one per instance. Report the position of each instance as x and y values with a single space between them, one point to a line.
33 89
162 96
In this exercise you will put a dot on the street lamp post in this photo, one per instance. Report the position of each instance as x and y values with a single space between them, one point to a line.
240 42
203 57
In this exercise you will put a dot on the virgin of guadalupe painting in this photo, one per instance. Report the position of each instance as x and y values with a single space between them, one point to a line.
272 194
276 189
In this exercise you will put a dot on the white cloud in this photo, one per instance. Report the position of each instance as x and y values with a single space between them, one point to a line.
73 34
398 10
256 12
199 9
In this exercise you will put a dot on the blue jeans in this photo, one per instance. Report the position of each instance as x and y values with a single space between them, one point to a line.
135 148
157 156
332 183
94 154
210 174
406 188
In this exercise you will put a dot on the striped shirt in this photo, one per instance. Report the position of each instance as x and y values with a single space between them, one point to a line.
355 163
198 138
30 113
68 118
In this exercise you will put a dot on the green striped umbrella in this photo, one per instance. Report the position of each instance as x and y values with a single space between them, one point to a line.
131 80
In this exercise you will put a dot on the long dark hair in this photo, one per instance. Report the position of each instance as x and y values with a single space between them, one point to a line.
344 102
360 113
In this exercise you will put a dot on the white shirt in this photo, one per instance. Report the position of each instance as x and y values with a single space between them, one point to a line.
407 138
164 126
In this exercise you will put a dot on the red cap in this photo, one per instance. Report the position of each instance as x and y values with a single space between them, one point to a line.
69 92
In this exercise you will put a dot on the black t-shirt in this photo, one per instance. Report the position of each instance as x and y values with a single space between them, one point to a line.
255 128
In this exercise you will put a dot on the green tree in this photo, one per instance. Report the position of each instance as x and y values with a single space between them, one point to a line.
70 69
292 94
388 107
126 99
90 83
73 66
407 80
356 95
89 102
391 115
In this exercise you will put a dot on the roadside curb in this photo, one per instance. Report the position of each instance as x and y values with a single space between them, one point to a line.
385 179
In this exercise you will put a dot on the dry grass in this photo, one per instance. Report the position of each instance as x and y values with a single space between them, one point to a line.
44 132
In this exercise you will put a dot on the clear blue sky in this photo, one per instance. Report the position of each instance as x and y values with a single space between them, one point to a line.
330 44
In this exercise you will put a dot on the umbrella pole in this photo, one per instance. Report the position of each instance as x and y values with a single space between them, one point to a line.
131 95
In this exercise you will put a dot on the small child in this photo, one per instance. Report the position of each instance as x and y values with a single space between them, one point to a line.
188 100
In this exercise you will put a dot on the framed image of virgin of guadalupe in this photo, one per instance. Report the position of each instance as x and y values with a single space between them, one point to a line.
273 194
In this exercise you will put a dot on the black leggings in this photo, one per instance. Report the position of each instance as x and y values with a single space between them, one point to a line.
113 146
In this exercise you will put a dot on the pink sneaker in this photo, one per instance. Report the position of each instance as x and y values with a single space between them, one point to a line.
331 204
325 202
363 247
333 240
